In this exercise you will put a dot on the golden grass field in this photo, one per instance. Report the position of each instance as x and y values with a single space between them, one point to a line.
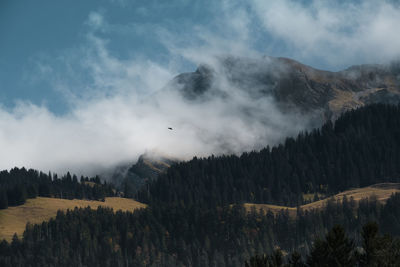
14 219
381 191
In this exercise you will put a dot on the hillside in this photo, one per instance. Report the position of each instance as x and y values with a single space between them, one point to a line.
190 219
293 85
17 185
259 90
360 149
14 219
147 169
381 192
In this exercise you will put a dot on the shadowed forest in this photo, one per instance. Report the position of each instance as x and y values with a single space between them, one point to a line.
195 214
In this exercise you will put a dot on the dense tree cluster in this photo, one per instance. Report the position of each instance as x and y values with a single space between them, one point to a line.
167 236
361 148
337 249
17 185
195 217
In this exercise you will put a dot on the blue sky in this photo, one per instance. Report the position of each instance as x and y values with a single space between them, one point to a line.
33 31
37 34
80 81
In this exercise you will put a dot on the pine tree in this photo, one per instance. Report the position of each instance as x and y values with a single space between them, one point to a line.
336 250
3 199
295 260
370 245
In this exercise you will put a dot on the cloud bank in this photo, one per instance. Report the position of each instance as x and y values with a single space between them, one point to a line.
126 111
337 33
120 108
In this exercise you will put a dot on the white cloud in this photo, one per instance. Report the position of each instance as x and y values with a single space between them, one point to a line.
339 33
95 20
120 110
126 112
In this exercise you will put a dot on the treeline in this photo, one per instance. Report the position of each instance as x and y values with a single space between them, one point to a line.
337 249
183 236
17 185
361 148
195 218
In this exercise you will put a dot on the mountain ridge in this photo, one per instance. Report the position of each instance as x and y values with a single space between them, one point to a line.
295 85
295 88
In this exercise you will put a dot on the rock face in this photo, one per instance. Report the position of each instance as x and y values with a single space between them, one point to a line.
294 85
131 178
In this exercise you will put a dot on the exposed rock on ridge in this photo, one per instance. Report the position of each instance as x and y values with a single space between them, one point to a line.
295 85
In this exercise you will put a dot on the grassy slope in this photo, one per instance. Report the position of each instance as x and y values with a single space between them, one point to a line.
381 191
14 219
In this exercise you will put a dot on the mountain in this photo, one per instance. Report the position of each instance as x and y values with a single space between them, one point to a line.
239 86
195 214
293 85
131 178
360 149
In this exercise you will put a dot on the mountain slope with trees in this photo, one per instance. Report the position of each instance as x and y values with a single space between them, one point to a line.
37 210
337 249
17 185
180 236
195 216
361 148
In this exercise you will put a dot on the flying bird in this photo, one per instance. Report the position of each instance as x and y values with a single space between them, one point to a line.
169 128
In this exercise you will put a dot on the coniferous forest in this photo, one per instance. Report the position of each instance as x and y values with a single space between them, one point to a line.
361 148
17 185
195 215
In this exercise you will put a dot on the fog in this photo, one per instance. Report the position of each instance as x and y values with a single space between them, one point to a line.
122 108
105 130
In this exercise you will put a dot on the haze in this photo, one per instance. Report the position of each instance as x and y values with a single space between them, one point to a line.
95 104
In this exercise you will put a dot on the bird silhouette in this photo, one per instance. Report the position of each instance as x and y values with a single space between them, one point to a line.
169 128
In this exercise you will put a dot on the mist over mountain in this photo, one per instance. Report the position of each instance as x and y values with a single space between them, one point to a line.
246 104
204 132
293 85
107 90
229 105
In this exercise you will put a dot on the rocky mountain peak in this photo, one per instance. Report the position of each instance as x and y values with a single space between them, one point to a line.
295 85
